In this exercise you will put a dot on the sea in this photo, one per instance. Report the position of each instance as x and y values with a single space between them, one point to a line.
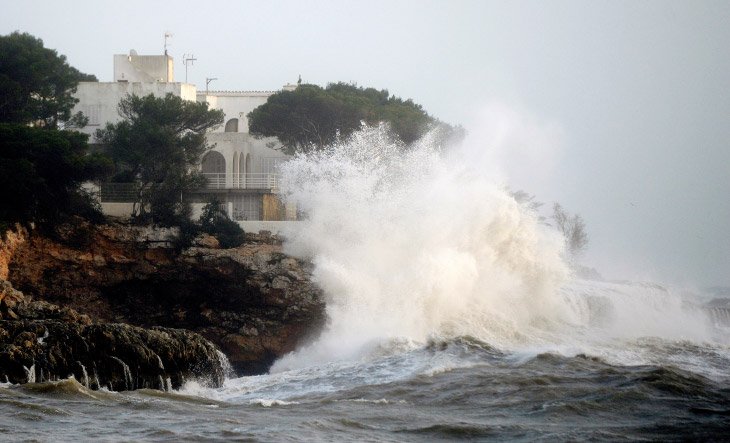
453 313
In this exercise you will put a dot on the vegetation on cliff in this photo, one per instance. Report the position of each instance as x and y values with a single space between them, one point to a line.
253 302
214 221
158 145
41 167
311 117
37 84
41 172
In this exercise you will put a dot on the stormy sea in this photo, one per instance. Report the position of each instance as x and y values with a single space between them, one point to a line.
453 313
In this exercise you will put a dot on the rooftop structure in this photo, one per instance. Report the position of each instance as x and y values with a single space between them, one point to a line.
241 169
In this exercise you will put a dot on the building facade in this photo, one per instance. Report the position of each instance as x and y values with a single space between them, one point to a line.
241 170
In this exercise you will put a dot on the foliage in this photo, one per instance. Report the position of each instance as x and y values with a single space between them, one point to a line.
527 201
573 230
215 221
188 231
37 84
41 172
160 142
311 117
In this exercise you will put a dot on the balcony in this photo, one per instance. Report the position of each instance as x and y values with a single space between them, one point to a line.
268 181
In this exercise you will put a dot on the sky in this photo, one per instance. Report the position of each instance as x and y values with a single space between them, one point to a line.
618 110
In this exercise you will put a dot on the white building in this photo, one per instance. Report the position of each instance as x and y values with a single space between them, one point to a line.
241 169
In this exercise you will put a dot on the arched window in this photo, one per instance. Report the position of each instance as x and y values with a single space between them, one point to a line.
214 169
232 125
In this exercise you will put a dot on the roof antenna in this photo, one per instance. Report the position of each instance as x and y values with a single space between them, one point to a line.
207 82
188 59
168 34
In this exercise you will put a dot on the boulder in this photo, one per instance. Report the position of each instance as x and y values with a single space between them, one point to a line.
41 342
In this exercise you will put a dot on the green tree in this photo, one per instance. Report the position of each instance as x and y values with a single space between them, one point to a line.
311 117
573 229
41 172
215 221
159 144
37 84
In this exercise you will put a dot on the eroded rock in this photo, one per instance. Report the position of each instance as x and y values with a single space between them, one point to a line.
41 342
254 302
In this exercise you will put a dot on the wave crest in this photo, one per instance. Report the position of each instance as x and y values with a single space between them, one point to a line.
411 243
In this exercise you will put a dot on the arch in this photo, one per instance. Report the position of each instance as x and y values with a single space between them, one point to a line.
214 162
232 125
214 169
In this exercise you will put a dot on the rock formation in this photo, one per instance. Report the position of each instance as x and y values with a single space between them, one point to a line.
254 302
42 342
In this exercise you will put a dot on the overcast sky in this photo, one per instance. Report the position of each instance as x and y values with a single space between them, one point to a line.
625 105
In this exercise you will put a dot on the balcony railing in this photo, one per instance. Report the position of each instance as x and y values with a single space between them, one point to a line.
118 192
242 181
127 192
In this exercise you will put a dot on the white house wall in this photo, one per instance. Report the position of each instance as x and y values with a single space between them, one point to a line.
235 105
99 101
143 68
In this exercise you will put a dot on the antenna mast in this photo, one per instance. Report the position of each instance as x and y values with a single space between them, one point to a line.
168 34
207 82
188 59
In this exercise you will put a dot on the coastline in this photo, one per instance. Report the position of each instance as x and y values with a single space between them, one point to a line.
254 303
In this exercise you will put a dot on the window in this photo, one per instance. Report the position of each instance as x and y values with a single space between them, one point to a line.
246 207
214 169
214 162
92 113
270 165
232 125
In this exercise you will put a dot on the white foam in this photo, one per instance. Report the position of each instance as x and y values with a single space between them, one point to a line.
413 244
267 403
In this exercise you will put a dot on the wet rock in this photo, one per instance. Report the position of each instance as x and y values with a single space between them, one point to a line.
41 342
254 302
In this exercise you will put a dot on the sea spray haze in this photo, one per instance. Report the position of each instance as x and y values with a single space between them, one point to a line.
415 242
451 316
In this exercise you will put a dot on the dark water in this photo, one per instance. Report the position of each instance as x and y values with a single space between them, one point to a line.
456 389
637 362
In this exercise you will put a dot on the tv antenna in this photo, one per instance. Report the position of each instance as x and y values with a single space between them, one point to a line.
207 82
188 59
168 34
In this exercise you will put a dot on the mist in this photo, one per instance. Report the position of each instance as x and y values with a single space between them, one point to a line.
626 105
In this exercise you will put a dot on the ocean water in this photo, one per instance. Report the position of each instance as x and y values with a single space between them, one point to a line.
577 384
452 314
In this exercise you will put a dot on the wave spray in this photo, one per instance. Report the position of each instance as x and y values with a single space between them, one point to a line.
414 243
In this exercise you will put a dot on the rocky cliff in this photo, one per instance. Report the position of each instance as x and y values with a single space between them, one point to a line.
254 302
42 342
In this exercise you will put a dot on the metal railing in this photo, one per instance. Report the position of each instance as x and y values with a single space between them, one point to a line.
217 180
127 192
118 192
214 180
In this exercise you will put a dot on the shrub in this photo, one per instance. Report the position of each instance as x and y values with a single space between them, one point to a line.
215 221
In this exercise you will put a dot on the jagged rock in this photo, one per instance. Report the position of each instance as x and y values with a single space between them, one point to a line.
9 297
254 302
41 342
11 239
207 241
